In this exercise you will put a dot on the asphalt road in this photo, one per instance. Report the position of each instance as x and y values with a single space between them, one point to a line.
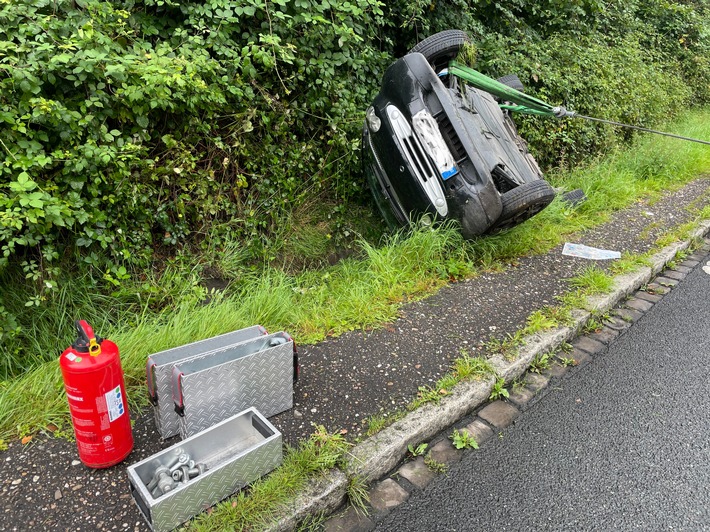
622 444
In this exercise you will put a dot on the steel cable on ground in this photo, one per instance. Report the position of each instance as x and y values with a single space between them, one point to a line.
639 128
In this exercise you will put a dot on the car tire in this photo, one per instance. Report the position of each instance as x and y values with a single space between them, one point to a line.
513 82
523 202
441 47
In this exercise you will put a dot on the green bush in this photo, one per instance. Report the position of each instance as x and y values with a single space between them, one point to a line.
624 83
131 126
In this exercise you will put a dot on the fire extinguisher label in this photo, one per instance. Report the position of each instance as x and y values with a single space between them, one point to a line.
114 403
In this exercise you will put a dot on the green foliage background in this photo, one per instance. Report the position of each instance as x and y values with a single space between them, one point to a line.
132 131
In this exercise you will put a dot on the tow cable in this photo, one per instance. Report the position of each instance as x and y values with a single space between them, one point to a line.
527 104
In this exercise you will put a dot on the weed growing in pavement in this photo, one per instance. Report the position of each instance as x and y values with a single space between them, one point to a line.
468 367
630 262
572 300
427 394
593 280
418 450
565 361
681 255
499 390
562 314
463 440
464 368
665 240
507 347
446 383
541 362
540 321
548 317
357 493
602 315
376 422
593 325
433 465
651 290
312 523
321 451
682 232
643 235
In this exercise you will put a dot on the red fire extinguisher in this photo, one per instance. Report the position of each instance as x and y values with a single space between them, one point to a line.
93 380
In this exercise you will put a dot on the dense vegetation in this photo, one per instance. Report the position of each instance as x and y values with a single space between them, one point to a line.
137 132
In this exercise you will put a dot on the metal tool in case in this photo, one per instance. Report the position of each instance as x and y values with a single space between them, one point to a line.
213 387
234 453
179 468
159 369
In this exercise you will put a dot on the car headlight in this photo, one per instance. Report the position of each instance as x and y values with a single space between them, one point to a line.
373 122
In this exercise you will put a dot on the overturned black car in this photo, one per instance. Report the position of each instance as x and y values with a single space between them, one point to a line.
435 148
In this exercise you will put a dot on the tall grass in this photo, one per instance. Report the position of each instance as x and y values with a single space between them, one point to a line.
353 294
312 305
652 165
48 326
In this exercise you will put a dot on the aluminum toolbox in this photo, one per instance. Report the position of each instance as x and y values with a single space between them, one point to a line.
159 370
236 451
213 387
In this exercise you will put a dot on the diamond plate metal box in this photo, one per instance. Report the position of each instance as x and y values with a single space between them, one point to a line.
237 451
258 373
159 370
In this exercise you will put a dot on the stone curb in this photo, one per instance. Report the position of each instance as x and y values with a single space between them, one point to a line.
378 455
323 495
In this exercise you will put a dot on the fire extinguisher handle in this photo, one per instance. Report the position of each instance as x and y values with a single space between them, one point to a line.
87 338
84 330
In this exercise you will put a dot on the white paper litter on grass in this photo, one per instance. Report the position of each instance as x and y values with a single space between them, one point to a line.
587 252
